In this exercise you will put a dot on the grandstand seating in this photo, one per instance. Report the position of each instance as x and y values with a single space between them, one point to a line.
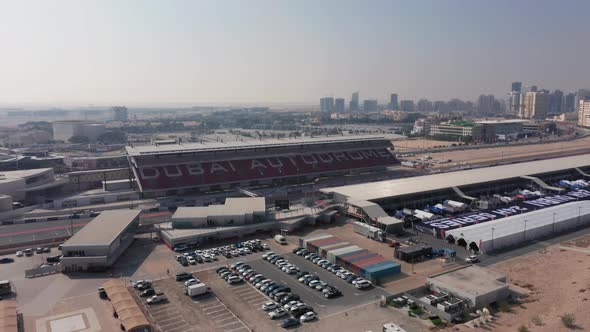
183 175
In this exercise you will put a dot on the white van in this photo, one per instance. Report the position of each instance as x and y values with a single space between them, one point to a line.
280 239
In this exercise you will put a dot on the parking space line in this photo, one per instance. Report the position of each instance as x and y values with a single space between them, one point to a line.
217 310
236 322
220 322
239 328
176 325
228 314
250 296
165 321
217 305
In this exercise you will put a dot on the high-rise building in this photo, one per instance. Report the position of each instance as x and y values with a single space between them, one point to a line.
393 104
339 104
556 102
516 87
515 95
120 113
354 102
534 88
570 102
424 105
407 105
534 105
327 104
584 112
370 105
488 105
581 95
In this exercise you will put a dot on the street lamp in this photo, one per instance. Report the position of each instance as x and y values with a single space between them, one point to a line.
493 229
553 225
524 234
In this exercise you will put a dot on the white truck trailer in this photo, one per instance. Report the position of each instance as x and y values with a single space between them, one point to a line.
196 289
368 231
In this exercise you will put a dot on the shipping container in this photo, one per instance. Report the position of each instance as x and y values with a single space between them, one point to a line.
368 261
332 255
346 259
325 241
325 250
341 258
357 258
303 241
379 271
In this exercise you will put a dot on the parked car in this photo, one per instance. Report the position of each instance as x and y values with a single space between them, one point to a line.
308 316
148 292
19 254
102 293
192 281
289 322
269 306
6 260
156 299
472 259
362 284
277 313
332 294
182 276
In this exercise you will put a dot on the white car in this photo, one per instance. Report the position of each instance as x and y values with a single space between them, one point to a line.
268 306
19 254
292 270
156 299
322 261
270 253
191 282
138 283
308 316
314 283
262 283
362 284
265 246
278 313
234 280
290 304
472 259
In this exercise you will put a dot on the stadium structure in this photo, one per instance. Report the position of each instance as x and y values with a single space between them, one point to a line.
502 206
175 168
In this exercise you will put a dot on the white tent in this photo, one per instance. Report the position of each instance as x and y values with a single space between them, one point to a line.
511 231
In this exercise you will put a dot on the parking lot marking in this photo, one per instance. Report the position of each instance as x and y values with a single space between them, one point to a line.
216 316
250 296
221 321
215 311
216 305
239 328
232 323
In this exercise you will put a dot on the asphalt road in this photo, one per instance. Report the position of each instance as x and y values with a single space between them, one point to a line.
351 297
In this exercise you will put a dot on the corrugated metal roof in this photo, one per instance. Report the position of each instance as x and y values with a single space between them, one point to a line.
8 316
420 184
123 303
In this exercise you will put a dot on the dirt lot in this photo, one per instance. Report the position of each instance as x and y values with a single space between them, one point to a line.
509 152
412 144
558 279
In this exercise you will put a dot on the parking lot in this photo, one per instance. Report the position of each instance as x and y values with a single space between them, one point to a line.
351 297
181 313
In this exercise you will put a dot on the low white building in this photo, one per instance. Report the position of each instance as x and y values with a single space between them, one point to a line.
99 244
235 211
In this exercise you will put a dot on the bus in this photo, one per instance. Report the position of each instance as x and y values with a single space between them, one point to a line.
5 287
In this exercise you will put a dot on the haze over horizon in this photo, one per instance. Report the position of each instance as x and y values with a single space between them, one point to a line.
264 51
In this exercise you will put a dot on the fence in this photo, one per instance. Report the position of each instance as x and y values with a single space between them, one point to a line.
43 271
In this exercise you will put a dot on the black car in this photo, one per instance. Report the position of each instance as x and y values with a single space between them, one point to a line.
181 276
221 269
280 289
296 249
301 274
289 298
144 285
102 293
39 250
53 259
46 249
148 292
6 260
275 258
300 311
332 294
350 279
289 322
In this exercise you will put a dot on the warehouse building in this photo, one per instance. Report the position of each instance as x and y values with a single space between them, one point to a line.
235 211
99 244
515 230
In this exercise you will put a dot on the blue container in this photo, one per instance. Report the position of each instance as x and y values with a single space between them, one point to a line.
380 270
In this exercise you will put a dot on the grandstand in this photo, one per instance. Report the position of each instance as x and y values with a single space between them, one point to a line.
174 168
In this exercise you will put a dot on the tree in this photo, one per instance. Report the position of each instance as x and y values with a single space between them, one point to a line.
569 320
79 140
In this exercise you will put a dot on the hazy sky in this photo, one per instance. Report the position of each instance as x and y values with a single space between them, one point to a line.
142 52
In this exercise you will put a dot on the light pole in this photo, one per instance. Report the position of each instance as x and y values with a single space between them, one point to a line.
579 213
553 225
524 234
493 229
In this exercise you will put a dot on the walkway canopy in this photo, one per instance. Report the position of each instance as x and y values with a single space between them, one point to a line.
513 231
125 306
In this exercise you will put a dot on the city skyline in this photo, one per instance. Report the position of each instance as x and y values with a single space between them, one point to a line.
65 53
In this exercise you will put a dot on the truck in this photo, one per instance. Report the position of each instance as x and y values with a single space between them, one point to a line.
369 231
196 289
456 205
391 327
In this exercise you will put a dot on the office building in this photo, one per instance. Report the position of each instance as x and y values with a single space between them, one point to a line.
515 96
393 104
120 113
584 112
370 105
556 102
581 95
327 104
534 105
407 105
354 102
570 102
235 211
424 105
488 105
64 130
339 105
99 244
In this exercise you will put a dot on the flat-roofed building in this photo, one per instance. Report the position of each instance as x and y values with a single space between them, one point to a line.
99 244
235 211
